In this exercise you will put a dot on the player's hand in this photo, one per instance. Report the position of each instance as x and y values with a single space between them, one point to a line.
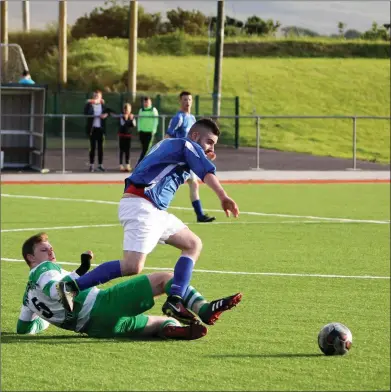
88 252
103 116
229 206
85 265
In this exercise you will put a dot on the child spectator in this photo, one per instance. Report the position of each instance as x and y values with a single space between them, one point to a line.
127 124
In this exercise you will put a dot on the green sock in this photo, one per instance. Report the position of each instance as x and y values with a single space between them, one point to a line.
168 286
193 299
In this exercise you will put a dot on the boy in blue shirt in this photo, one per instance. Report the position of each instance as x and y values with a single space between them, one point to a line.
142 212
179 127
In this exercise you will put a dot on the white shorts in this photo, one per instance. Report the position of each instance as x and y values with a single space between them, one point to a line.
144 225
193 176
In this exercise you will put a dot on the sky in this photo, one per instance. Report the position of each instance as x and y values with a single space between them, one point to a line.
320 16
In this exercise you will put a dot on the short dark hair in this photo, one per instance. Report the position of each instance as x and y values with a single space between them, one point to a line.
183 93
25 72
29 244
146 98
207 123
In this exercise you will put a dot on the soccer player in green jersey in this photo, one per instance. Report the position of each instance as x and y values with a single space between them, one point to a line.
114 312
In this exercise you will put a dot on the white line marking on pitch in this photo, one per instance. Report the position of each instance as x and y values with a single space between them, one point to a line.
233 223
56 228
235 272
210 210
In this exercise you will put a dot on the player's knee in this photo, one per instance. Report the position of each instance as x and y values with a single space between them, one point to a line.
128 270
167 276
193 183
136 269
195 244
129 267
159 281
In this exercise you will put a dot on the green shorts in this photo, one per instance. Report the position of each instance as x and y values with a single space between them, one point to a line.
117 311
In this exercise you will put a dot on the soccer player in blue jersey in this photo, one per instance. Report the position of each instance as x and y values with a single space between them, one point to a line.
179 127
142 212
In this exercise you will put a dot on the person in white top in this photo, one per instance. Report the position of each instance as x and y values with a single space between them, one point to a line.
97 111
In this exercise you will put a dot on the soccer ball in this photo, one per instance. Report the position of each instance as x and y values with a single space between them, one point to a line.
335 339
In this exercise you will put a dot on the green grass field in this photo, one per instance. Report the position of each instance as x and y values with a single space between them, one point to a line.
269 342
266 86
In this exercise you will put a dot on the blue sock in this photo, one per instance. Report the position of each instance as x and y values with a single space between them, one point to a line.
198 208
182 275
101 274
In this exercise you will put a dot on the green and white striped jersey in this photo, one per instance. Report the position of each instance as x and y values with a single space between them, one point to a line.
41 303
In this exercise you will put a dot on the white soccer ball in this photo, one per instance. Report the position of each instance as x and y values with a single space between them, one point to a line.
335 339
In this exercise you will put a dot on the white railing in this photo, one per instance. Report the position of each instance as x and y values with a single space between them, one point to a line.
258 119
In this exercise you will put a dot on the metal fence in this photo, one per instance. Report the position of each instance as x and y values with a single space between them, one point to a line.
352 118
65 142
72 103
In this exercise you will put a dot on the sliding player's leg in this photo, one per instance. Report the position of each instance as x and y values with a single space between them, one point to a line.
208 312
118 311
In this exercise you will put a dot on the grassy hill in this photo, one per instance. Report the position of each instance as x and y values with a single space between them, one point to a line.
268 86
296 87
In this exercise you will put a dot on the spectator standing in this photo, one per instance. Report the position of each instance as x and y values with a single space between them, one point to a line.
96 127
148 122
127 124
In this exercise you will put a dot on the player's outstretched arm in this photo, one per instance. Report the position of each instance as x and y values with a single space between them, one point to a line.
85 262
228 205
30 323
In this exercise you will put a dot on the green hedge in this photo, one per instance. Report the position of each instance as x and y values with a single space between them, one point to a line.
294 48
38 43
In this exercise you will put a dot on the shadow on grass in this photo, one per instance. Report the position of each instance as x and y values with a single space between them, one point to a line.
13 338
276 355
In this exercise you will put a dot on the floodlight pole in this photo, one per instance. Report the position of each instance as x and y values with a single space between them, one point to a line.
62 42
132 66
218 58
26 15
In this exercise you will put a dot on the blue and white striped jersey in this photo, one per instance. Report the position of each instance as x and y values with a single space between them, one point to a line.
166 167
180 124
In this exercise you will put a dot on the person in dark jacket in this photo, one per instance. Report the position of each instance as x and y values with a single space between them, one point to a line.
96 127
127 124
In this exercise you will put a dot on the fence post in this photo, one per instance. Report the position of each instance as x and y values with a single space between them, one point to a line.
163 126
258 141
121 101
63 142
197 105
237 122
354 142
55 102
158 102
